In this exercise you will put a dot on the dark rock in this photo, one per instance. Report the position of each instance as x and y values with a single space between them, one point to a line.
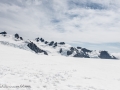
83 55
33 47
46 42
72 49
3 33
51 43
77 51
69 52
36 49
41 39
45 53
106 55
78 54
55 44
86 50
16 36
60 50
21 38
79 47
62 43
37 39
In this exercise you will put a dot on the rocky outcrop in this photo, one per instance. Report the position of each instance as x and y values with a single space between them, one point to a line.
55 44
46 42
37 39
62 43
86 50
51 43
85 53
3 33
79 47
17 37
78 53
42 40
82 55
106 55
36 49
21 38
69 52
60 50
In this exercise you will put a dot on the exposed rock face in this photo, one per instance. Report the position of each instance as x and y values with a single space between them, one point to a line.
45 52
21 38
34 47
51 43
16 35
86 50
79 47
55 44
37 39
42 40
60 50
83 55
70 51
62 43
72 48
46 42
106 55
3 33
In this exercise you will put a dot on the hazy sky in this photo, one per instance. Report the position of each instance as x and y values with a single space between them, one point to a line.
94 24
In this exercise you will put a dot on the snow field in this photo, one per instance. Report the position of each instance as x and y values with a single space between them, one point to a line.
41 72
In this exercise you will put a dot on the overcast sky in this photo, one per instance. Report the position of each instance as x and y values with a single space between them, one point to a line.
94 24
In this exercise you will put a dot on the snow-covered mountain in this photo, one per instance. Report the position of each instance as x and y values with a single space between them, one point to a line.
40 46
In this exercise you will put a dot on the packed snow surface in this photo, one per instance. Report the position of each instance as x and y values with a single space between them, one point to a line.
31 71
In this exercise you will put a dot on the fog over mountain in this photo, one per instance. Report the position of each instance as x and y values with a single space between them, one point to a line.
93 24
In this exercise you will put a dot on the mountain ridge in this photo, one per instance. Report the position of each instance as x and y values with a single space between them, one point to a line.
41 46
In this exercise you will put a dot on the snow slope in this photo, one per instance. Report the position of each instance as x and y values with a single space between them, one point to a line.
9 40
30 71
